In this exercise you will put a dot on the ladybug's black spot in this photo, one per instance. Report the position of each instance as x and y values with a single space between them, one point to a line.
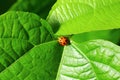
64 43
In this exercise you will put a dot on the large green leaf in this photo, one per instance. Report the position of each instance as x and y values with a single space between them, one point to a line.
91 60
19 32
40 63
40 7
78 16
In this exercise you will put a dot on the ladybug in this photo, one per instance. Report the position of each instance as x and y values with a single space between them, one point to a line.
63 41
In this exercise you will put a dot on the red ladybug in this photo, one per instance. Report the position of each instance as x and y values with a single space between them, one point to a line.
63 41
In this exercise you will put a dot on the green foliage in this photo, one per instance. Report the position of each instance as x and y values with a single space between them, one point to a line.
91 60
29 49
40 7
39 63
111 35
78 16
19 32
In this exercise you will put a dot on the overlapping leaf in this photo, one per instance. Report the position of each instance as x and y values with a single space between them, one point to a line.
91 60
78 16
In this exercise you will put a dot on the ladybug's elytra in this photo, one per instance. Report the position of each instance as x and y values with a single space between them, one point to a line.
63 41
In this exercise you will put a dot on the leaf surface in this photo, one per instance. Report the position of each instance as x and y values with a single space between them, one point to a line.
39 63
19 32
91 60
78 16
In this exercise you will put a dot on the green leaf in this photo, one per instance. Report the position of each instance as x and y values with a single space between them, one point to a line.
40 63
110 35
19 32
41 7
91 60
78 16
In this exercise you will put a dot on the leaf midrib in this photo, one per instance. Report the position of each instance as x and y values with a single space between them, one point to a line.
82 53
